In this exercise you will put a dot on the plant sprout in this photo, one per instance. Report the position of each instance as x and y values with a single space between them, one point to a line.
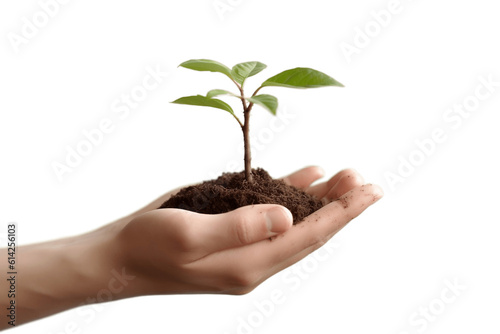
299 77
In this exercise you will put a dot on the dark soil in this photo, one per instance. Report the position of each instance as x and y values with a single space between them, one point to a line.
231 191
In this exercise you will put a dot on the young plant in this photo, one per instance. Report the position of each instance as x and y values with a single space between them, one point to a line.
294 78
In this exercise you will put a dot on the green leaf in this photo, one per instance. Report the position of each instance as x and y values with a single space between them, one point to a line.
217 92
207 65
301 77
269 102
243 71
200 100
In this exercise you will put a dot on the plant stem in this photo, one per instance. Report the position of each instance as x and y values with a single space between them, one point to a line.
246 132
246 135
248 152
243 101
256 91
251 103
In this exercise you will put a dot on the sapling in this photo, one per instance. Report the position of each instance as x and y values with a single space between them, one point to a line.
299 77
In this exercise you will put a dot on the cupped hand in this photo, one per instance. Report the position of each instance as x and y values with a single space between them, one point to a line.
173 251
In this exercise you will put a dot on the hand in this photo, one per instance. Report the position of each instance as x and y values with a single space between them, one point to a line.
176 251
162 251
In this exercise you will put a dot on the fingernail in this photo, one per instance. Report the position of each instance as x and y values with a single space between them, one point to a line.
278 219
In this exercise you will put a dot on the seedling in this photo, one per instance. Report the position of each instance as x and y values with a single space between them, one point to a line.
299 77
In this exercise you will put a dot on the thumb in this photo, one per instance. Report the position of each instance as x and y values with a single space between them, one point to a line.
243 226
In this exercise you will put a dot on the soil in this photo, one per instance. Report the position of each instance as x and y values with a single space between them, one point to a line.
231 191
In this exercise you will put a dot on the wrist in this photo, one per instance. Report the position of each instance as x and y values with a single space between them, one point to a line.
63 274
99 268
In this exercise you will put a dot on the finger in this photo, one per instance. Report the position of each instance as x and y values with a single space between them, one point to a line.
242 226
305 177
265 258
325 223
321 190
350 180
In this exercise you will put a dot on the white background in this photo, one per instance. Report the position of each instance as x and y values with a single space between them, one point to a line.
439 224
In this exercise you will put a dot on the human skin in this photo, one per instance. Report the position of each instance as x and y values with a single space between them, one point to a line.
171 251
